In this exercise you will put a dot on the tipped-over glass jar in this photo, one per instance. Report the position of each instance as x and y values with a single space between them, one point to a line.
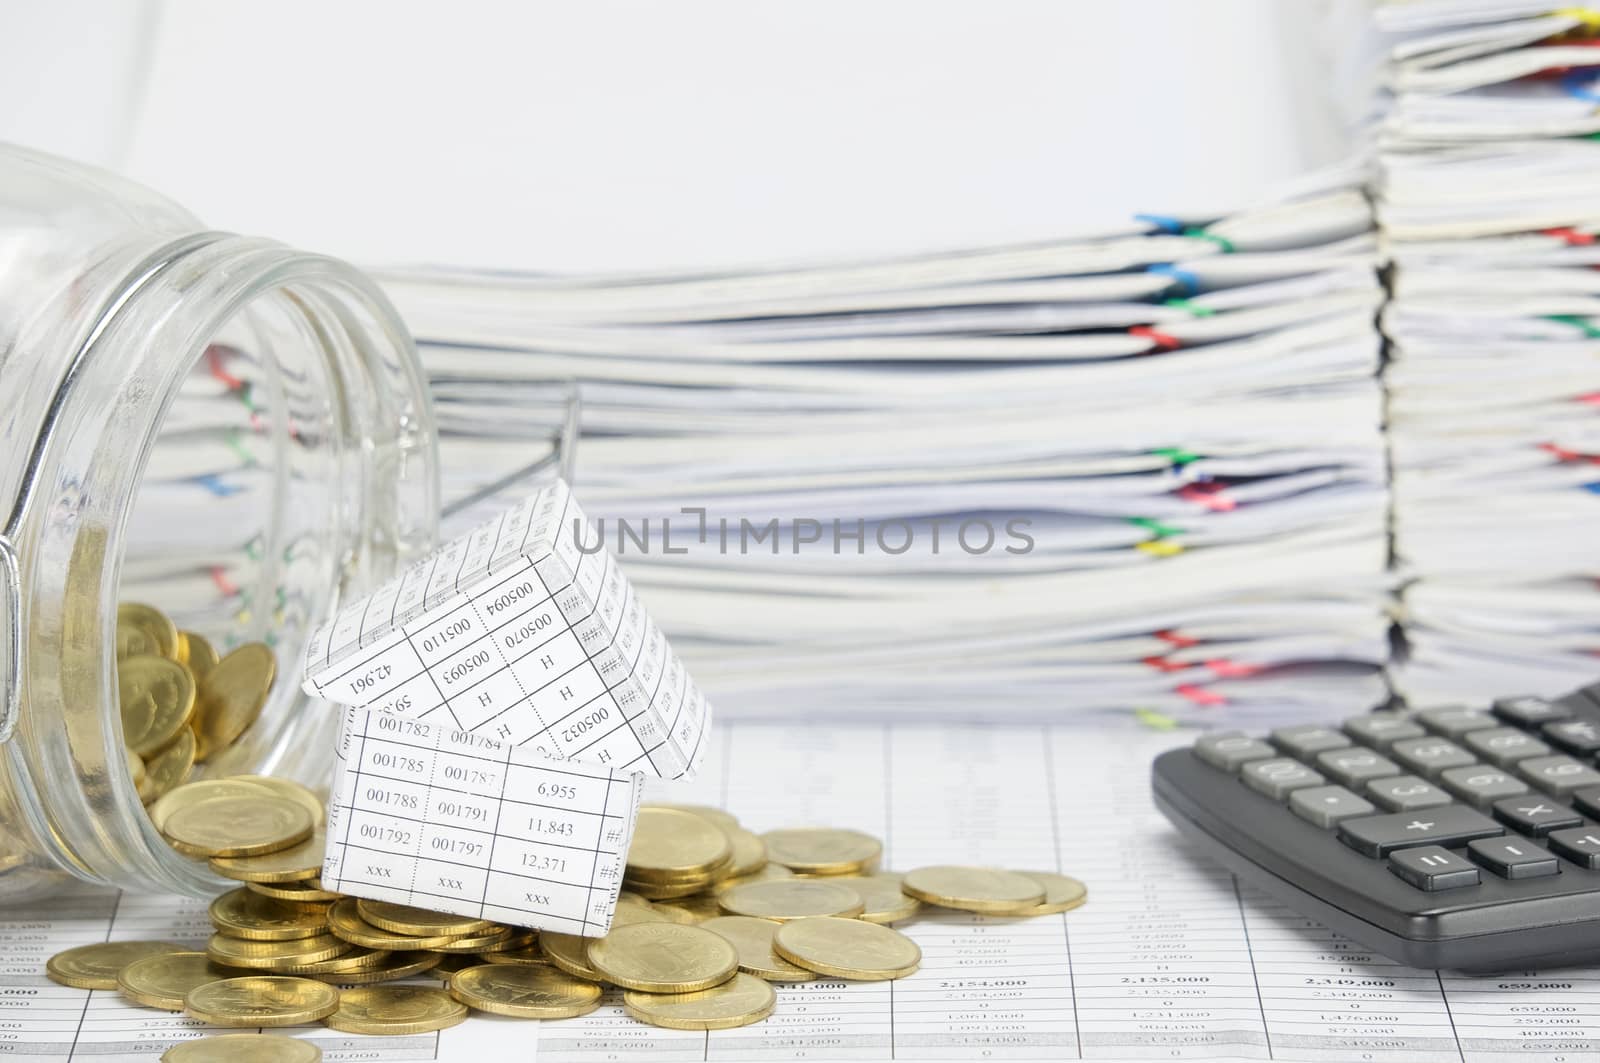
231 430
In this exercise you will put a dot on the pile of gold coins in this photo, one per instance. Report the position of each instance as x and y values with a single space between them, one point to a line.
711 917
182 704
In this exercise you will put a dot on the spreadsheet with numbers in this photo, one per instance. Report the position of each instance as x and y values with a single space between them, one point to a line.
1169 959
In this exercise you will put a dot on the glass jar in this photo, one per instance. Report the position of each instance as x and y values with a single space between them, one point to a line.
231 430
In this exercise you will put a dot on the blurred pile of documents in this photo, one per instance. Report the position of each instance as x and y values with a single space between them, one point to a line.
1138 469
1488 195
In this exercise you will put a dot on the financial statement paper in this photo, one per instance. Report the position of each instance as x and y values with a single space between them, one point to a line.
1171 958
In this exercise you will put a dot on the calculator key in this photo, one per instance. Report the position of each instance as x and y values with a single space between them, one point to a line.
1513 858
1307 740
1481 785
1575 736
1279 778
1432 868
1429 756
1581 845
1559 775
1453 723
1380 730
1504 746
1535 815
1529 711
1327 805
1445 825
1229 750
1587 802
1355 766
1403 793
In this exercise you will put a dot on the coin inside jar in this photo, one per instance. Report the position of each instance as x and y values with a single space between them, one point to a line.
261 1000
524 991
156 697
233 695
663 957
238 826
143 630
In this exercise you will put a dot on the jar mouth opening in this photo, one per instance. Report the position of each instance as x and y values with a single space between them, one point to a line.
269 447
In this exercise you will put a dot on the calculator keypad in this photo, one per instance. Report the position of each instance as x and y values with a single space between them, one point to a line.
1442 796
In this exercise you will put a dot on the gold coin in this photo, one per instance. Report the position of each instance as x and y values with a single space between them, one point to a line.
752 940
749 852
1062 893
529 954
297 863
988 890
670 846
395 965
395 1010
883 899
795 898
296 792
663 958
449 965
162 980
656 892
272 955
143 630
253 917
308 892
721 817
823 850
527 992
344 919
244 1048
740 1001
420 922
261 1000
157 697
770 873
691 910
141 778
97 966
196 654
628 914
504 937
233 695
238 826
169 765
847 948
570 953
630 897
195 792
357 959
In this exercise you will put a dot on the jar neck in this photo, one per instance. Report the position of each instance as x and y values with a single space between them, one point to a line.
343 461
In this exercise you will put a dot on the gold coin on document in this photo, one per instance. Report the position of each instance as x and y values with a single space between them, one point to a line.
524 991
530 954
243 1048
663 958
751 938
395 1010
570 953
261 1000
191 793
847 948
987 890
344 920
237 826
309 891
162 980
97 966
502 938
690 910
420 922
297 863
143 630
274 955
233 695
396 965
168 766
721 817
243 914
770 873
156 697
196 654
883 899
749 852
357 959
740 1001
670 846
1062 893
823 850
794 898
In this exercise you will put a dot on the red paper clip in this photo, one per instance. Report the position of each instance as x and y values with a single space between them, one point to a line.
1165 340
1200 695
1226 669
1162 664
1570 235
1181 641
1209 495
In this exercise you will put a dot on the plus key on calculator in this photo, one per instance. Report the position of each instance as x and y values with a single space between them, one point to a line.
1448 837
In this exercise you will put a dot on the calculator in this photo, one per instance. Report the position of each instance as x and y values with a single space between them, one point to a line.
1450 837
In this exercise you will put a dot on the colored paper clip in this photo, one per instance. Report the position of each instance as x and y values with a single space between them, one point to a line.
1172 636
1226 669
216 486
1193 308
1210 495
1155 527
1160 547
1589 17
235 443
1163 222
1221 241
1589 329
1179 275
1563 454
1591 399
1200 695
1162 664
1177 455
1570 235
1165 341
219 576
1158 721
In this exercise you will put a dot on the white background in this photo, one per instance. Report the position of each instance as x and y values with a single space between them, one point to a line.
574 136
